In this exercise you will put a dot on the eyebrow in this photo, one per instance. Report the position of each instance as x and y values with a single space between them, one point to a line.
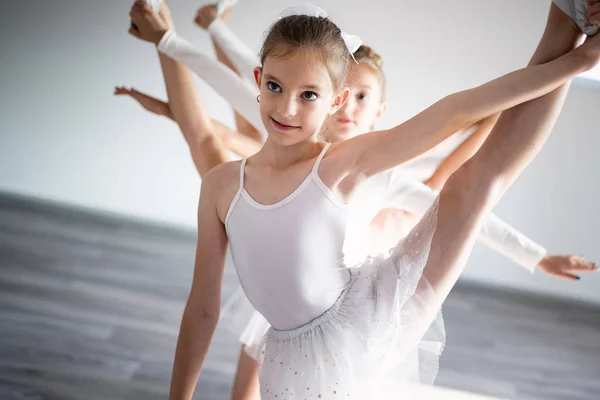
270 77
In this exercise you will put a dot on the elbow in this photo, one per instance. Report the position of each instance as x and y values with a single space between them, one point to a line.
201 311
201 316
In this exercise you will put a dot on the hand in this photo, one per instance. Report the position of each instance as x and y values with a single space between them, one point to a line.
206 15
146 24
591 47
593 12
565 266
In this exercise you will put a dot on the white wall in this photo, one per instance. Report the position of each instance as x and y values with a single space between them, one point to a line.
64 137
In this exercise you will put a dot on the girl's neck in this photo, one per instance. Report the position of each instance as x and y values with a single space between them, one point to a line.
277 156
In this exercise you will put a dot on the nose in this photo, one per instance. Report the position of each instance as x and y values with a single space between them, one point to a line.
288 107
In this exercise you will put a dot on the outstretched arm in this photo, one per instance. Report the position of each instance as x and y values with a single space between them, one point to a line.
397 145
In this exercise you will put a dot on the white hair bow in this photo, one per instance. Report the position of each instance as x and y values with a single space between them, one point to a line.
353 42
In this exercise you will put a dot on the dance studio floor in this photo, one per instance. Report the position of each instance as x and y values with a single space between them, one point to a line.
90 308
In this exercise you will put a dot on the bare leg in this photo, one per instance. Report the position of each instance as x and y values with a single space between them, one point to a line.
190 113
474 189
205 16
246 385
243 126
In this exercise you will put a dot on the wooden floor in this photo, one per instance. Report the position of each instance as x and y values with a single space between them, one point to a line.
90 307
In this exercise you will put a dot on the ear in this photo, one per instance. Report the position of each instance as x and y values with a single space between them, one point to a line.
382 109
340 99
258 75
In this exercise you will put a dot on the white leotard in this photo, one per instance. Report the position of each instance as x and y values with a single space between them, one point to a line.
288 255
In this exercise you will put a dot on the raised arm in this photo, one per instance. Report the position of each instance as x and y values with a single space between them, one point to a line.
397 145
462 153
202 309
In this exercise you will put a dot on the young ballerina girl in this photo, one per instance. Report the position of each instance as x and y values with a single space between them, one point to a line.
344 319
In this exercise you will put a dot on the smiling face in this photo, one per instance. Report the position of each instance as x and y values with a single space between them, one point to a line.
296 96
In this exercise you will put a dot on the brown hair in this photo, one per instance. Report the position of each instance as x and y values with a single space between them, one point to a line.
366 55
303 32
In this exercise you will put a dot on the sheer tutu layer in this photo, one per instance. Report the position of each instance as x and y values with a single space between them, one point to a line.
385 329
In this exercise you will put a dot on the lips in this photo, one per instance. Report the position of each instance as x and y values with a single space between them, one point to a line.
283 127
345 120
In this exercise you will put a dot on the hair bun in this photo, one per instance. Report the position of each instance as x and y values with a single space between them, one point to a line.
367 52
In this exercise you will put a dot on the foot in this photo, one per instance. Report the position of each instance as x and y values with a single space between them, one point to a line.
577 10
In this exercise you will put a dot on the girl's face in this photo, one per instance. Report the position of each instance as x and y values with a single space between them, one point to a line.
363 108
296 97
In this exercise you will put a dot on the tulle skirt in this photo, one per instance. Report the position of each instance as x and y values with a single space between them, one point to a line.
385 329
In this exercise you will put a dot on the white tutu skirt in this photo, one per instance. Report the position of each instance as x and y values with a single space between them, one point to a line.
384 330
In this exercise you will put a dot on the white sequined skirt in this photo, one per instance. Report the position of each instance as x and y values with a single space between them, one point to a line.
385 329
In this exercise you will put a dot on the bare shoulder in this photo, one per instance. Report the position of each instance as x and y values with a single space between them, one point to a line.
221 184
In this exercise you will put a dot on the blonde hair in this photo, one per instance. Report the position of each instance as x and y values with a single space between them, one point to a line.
367 56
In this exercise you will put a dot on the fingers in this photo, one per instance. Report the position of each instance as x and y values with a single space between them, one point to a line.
586 267
559 273
565 275
579 263
593 13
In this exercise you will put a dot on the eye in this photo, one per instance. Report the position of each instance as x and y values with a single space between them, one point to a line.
362 96
273 87
310 96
